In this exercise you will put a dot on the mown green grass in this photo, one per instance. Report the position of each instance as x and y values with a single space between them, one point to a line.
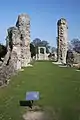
59 89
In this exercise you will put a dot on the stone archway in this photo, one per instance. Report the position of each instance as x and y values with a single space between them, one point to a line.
41 56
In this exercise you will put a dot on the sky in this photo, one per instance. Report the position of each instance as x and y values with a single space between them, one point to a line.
44 15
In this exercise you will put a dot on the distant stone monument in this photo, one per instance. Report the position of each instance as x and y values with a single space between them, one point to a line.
62 40
42 56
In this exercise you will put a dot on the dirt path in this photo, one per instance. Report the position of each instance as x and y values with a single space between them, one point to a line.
46 114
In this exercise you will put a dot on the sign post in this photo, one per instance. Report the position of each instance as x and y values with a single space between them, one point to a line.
32 96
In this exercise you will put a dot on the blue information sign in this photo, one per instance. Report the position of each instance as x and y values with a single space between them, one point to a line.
32 95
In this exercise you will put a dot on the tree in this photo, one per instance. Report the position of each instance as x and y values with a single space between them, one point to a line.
70 46
38 43
45 44
42 50
32 50
53 49
76 45
3 51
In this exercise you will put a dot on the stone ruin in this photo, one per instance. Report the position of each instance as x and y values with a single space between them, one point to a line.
62 40
63 46
42 56
76 60
18 49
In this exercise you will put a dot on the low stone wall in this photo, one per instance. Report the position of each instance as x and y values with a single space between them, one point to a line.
76 57
77 66
7 68
5 73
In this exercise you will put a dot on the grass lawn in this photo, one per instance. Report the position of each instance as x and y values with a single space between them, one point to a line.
59 89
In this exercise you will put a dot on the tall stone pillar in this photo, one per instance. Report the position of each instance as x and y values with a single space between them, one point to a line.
62 40
23 24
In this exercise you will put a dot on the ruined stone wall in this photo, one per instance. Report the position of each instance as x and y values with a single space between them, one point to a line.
42 56
18 49
62 40
76 57
23 24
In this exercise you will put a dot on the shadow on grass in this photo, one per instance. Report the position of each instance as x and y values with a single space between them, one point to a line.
26 103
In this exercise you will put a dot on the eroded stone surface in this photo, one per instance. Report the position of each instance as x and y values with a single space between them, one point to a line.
62 40
18 48
23 24
41 56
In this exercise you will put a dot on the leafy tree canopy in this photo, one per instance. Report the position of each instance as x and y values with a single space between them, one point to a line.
3 51
40 43
32 50
76 45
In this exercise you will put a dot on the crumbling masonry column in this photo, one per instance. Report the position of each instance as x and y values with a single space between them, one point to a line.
62 40
18 49
23 24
